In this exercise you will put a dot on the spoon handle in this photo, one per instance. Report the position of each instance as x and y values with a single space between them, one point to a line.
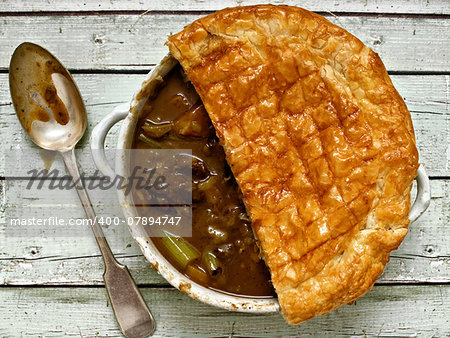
131 311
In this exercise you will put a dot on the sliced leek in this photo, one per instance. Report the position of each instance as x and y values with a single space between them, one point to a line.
180 250
211 263
152 143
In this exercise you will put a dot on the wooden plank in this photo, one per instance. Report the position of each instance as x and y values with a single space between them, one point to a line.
133 42
426 96
384 311
424 255
368 6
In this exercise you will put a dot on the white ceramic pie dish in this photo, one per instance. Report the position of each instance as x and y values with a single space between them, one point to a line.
129 113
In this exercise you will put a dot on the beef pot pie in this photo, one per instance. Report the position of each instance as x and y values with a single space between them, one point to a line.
222 253
319 141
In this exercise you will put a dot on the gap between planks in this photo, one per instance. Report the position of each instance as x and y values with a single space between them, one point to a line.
94 71
325 6
326 14
104 42
384 311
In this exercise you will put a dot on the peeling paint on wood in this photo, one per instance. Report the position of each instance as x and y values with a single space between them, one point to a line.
127 42
424 95
367 6
384 311
111 36
424 255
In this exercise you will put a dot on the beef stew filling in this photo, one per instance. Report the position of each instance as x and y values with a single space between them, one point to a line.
222 253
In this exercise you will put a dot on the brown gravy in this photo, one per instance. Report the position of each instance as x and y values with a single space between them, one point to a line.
225 253
34 89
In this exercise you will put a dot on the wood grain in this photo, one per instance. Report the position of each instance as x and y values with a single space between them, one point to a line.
384 311
72 257
133 42
368 6
51 286
426 96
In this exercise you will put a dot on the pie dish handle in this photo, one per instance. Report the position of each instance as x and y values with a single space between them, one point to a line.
98 136
423 196
97 143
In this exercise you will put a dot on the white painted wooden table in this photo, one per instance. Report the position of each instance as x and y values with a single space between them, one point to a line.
54 287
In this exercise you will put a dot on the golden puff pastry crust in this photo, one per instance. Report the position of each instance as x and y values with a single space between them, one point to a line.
320 142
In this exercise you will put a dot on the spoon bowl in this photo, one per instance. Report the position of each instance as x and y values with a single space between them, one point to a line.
46 98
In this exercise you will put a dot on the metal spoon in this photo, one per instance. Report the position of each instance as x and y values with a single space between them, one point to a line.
51 110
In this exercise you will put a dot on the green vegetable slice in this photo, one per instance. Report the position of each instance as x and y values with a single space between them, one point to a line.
152 143
181 250
211 263
197 273
205 185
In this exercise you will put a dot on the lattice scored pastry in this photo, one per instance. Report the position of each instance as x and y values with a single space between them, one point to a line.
320 142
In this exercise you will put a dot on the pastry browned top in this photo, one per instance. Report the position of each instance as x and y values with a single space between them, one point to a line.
319 140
